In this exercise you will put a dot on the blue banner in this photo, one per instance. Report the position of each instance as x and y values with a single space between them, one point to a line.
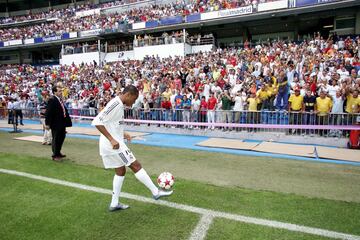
151 24
1 44
302 3
51 38
38 40
65 36
171 20
193 17
326 1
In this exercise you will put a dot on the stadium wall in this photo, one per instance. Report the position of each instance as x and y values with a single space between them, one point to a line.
116 56
163 51
80 58
202 48
272 5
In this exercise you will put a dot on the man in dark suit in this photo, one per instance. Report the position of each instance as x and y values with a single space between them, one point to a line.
57 119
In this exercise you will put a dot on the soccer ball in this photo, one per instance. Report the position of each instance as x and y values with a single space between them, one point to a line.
165 180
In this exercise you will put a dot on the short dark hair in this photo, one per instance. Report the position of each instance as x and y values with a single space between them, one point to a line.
132 90
54 89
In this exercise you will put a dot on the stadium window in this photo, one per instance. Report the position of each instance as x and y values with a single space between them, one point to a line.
345 23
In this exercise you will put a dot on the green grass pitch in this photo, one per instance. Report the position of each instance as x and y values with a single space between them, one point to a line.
31 209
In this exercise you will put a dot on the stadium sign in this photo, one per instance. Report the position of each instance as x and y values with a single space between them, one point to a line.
52 38
273 5
29 41
171 20
11 43
93 32
193 17
87 13
227 13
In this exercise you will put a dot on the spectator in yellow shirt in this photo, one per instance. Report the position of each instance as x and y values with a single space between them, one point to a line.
272 91
253 115
353 102
296 101
65 93
323 104
352 106
323 108
215 74
167 93
146 86
263 97
295 107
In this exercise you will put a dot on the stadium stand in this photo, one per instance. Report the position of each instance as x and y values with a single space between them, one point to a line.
309 81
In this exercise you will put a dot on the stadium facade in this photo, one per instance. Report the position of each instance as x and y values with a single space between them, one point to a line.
288 20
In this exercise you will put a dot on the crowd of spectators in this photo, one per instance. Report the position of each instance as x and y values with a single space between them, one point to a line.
59 13
318 76
66 21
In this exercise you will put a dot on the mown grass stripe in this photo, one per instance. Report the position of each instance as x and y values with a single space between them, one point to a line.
202 211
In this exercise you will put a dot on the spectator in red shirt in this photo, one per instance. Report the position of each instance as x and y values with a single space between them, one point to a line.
221 82
203 109
106 85
313 86
233 61
166 106
211 110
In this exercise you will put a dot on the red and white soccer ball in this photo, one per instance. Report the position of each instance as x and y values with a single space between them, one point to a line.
166 180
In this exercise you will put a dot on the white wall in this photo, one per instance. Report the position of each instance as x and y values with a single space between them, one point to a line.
117 56
188 49
162 51
79 58
102 56
272 5
202 48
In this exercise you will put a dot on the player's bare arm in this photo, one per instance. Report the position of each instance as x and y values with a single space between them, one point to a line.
104 131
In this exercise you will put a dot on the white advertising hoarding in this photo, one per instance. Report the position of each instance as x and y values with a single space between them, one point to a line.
227 13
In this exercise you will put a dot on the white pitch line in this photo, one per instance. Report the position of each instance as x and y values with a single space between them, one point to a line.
199 232
202 211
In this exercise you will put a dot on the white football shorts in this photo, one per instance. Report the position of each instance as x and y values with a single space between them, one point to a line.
123 158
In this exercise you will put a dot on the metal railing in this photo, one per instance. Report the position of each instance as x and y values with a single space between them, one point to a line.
119 47
80 49
152 41
291 123
194 41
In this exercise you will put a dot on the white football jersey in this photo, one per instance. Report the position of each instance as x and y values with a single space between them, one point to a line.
112 118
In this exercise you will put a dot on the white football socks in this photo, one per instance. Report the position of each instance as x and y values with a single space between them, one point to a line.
117 184
143 177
